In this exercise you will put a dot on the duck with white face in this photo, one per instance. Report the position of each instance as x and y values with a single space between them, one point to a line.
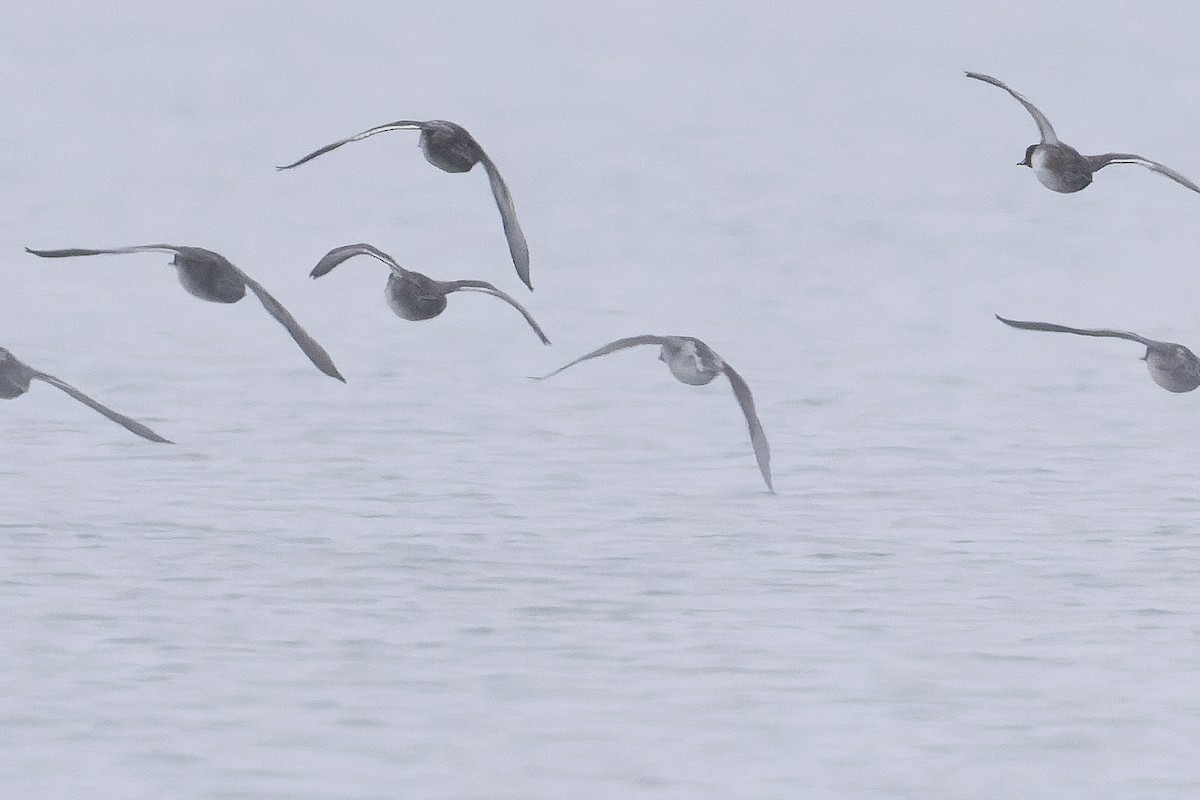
690 360
693 362
1172 366
15 378
450 148
210 276
1060 167
414 296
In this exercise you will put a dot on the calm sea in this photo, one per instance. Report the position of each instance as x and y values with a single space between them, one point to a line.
443 580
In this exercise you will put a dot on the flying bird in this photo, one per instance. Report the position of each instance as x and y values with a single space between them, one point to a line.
210 276
1062 168
693 362
15 376
1171 365
449 147
414 296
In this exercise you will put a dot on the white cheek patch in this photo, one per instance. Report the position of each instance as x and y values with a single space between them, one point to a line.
689 362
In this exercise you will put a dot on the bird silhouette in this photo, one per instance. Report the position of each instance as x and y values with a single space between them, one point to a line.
16 375
414 296
1171 365
449 147
693 362
210 276
1062 168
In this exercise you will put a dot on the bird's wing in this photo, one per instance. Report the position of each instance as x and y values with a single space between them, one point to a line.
487 288
1044 127
399 125
79 251
1101 161
316 354
517 246
762 450
611 347
1049 326
120 419
339 254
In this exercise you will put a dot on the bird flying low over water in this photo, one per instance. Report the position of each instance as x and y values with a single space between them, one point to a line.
414 296
1062 168
693 362
210 276
449 147
1172 366
14 382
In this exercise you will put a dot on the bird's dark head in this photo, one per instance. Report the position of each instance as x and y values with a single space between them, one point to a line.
1028 162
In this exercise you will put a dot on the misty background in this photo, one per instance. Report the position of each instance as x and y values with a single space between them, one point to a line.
443 580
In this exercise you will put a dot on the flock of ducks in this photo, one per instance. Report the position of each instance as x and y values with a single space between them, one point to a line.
1062 168
413 296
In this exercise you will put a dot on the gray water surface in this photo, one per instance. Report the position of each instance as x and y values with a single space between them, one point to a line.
443 580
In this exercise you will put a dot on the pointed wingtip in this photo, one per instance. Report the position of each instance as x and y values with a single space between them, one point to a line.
520 258
147 434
